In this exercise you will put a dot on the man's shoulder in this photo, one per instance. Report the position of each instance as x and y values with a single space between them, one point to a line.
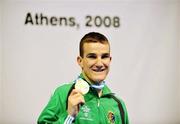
64 87
61 92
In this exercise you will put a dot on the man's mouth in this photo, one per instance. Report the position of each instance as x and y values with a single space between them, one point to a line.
98 70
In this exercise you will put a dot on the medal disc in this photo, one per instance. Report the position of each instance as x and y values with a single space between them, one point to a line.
82 86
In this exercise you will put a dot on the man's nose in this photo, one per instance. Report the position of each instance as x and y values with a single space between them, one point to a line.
99 62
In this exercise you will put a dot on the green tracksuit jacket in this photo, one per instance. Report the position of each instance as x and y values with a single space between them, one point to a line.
96 110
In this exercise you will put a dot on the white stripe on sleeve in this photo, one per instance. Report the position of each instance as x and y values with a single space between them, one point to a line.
69 119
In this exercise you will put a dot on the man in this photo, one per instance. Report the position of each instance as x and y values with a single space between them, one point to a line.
99 105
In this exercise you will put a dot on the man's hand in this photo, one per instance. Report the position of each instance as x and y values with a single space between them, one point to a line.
74 100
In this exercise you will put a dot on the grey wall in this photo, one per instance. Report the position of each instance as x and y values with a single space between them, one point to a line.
145 69
1 61
179 56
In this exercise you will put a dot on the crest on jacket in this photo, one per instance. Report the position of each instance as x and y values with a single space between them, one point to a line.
111 117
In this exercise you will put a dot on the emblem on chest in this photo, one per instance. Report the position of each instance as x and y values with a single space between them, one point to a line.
85 113
111 117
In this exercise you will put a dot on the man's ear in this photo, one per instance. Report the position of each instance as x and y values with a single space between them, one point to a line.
79 61
110 58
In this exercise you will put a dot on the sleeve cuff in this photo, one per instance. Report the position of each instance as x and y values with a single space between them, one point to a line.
69 119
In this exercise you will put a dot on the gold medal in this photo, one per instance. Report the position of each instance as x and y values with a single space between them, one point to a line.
82 86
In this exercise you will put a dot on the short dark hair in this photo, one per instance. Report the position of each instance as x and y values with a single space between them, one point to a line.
92 37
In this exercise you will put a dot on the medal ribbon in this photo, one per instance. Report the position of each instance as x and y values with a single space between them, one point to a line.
98 86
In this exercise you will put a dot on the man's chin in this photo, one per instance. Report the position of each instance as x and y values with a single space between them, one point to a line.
98 80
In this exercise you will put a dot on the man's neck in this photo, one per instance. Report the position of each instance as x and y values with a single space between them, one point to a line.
86 78
99 91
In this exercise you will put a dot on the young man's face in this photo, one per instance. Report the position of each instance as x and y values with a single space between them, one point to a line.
95 61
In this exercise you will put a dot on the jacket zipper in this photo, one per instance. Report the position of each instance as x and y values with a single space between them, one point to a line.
98 106
98 103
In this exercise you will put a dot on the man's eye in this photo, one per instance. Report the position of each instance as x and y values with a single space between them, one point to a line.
105 56
91 56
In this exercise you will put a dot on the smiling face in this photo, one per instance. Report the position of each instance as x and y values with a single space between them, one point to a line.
95 61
